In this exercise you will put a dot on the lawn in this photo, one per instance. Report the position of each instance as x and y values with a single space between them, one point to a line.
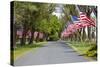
84 48
20 51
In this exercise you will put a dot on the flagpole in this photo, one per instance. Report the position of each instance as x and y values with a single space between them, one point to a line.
79 15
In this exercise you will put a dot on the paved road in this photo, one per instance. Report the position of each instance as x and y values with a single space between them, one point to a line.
53 53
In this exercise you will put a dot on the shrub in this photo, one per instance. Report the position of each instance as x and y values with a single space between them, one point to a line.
54 37
92 52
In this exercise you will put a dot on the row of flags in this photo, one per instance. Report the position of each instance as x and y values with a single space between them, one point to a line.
79 22
29 34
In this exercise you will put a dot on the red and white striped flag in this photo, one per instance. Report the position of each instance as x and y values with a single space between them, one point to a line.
84 18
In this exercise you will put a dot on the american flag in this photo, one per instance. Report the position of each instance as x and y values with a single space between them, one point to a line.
85 19
78 23
19 33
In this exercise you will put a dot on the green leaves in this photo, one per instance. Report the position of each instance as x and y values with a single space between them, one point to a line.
37 17
70 10
51 27
56 23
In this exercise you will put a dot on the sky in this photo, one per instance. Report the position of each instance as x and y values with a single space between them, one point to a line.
58 10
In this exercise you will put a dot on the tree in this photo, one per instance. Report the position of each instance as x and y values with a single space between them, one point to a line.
29 16
70 10
24 16
56 27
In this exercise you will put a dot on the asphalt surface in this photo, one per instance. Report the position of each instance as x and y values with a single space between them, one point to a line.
54 52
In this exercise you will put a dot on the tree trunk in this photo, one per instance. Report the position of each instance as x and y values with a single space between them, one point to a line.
89 33
32 37
23 39
79 35
37 38
84 34
44 36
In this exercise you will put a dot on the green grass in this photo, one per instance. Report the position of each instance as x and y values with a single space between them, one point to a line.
81 47
87 49
19 51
